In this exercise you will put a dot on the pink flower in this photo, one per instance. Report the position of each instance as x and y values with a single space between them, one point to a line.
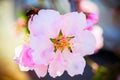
23 57
91 21
60 41
95 29
98 34
88 6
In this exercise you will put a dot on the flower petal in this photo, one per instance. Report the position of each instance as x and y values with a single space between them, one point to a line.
57 66
73 22
44 57
37 58
75 64
41 70
23 56
23 68
97 32
42 23
40 42
84 43
42 49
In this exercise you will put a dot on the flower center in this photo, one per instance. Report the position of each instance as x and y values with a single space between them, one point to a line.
61 42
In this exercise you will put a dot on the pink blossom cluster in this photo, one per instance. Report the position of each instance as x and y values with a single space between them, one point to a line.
57 43
92 20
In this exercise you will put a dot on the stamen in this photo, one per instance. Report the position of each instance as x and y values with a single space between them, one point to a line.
61 42
70 49
60 34
55 48
53 40
69 38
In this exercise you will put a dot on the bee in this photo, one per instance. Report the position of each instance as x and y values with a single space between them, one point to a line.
31 12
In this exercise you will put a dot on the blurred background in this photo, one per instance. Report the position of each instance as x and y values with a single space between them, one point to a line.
102 15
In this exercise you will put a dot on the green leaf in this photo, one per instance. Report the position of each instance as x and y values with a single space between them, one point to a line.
53 40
